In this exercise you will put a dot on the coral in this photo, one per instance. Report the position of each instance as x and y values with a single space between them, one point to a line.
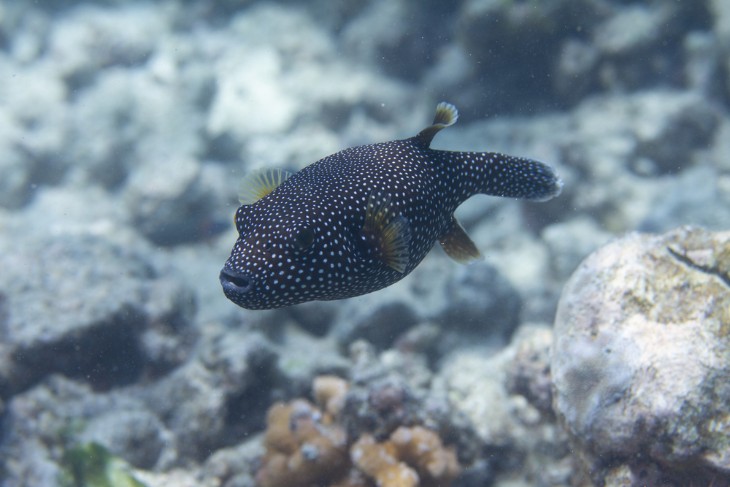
329 392
411 457
380 461
301 447
307 445
422 448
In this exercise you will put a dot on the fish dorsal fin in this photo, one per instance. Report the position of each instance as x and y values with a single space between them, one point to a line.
387 235
259 183
457 244
446 116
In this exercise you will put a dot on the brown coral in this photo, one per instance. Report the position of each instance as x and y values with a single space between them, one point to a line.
379 461
300 448
329 393
306 445
410 457
423 449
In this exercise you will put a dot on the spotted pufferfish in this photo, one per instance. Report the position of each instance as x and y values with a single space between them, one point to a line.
362 219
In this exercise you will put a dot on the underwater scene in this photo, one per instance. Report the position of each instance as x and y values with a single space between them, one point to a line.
365 243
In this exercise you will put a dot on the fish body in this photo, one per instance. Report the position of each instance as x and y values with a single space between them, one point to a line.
362 219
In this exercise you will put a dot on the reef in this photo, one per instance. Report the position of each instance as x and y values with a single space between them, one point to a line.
640 359
410 457
307 444
303 446
122 154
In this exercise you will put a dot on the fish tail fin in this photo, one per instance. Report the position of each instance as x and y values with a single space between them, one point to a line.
508 176
446 116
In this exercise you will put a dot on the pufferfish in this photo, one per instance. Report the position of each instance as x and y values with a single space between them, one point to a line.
362 219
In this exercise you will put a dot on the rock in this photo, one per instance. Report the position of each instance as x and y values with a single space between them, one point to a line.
526 263
316 317
59 414
640 358
170 206
669 129
681 204
529 374
137 435
194 406
656 132
16 185
282 102
719 151
639 43
573 50
380 323
234 466
472 305
302 357
127 120
502 397
631 29
388 34
33 130
217 397
479 302
65 211
570 242
720 11
576 70
79 52
24 32
77 305
241 94
653 133
180 478
704 64
257 72
518 66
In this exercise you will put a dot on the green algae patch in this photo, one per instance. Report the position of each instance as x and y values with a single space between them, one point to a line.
92 465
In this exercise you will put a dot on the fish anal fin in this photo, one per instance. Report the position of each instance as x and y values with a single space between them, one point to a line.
259 183
446 115
386 234
457 244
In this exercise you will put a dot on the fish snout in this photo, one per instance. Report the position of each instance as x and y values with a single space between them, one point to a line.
235 282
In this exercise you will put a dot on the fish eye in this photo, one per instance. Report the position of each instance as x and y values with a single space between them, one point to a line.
304 239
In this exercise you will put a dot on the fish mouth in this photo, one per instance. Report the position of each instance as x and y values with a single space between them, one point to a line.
235 284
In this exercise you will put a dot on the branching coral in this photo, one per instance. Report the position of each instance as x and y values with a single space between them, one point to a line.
410 457
307 445
422 448
380 461
329 392
301 448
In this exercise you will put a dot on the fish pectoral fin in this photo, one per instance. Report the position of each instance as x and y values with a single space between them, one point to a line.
457 244
259 183
446 116
387 235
